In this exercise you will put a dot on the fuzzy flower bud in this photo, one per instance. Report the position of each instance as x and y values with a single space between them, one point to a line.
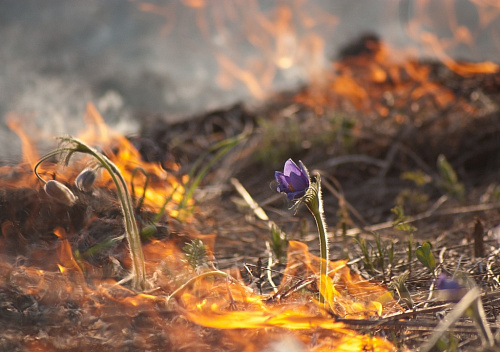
60 192
85 180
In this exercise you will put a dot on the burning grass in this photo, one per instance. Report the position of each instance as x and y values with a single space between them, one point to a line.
403 140
67 271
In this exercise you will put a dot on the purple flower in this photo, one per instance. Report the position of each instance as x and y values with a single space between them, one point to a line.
449 289
294 180
444 282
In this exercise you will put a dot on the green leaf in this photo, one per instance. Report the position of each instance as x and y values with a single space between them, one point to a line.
400 223
449 179
425 256
196 254
419 177
278 243
399 284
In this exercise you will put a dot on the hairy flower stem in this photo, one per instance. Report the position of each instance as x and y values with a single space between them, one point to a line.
314 203
131 230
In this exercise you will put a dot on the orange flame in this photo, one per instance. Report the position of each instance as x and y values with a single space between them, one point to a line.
21 175
373 83
251 321
229 305
425 28
253 46
30 154
65 254
119 150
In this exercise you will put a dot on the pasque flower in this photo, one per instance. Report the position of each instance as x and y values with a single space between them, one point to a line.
293 181
68 147
449 289
445 282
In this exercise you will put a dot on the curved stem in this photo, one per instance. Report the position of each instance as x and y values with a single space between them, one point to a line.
314 203
132 231
45 157
323 250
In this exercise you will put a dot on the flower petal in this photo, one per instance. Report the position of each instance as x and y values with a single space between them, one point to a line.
291 167
298 182
282 181
295 195
305 173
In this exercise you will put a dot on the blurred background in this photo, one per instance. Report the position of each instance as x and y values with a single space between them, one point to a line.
177 58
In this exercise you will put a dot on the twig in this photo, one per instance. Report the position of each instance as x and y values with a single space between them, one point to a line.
261 214
355 159
269 266
415 325
425 215
258 211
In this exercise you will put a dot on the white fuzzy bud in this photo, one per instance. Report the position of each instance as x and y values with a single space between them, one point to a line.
85 180
60 192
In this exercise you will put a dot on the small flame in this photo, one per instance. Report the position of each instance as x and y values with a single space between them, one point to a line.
371 82
465 69
126 157
65 254
120 150
30 153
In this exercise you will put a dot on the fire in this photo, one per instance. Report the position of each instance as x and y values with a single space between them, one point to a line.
191 308
61 276
65 253
421 27
253 46
119 149
124 155
353 297
372 82
230 306
286 39
30 154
